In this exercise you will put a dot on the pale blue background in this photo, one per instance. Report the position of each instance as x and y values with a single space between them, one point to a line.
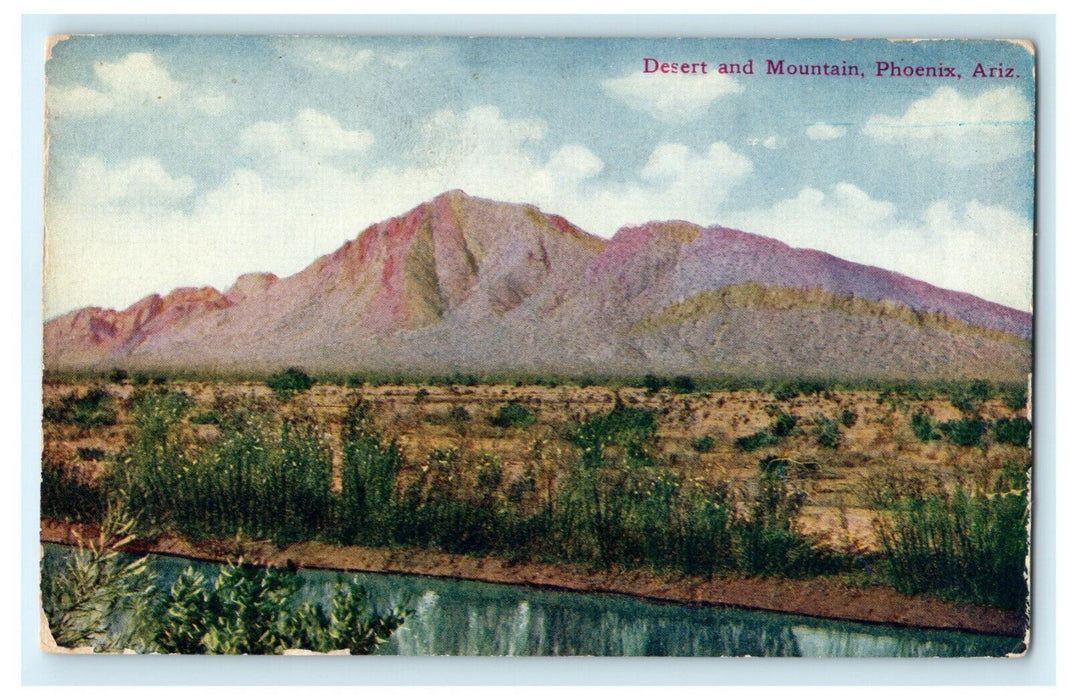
1037 668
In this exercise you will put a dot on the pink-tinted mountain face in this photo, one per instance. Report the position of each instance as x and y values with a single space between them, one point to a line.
474 285
674 260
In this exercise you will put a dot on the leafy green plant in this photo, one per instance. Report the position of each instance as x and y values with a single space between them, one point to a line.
848 418
81 597
255 610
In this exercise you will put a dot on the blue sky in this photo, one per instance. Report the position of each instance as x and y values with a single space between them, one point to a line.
180 161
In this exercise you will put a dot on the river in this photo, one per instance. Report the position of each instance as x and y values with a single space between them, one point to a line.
455 617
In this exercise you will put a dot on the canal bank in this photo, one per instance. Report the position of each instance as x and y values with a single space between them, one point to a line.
817 597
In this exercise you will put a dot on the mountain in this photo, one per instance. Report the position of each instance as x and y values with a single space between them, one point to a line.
472 285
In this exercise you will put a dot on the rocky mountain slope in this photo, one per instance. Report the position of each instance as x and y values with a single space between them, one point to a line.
471 285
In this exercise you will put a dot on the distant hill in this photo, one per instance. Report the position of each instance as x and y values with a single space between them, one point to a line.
472 285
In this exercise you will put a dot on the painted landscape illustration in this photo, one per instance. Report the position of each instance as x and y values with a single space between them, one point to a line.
486 346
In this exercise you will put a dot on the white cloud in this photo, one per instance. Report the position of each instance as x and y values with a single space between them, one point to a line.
134 81
824 132
344 57
991 127
302 142
772 142
984 249
671 98
141 182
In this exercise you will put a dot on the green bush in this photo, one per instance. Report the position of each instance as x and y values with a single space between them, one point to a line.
93 409
289 382
962 546
1012 431
848 418
683 384
703 443
512 415
82 597
67 496
966 432
255 610
1016 397
922 427
653 384
828 433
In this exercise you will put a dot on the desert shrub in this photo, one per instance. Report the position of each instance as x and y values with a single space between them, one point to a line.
628 428
289 382
94 408
767 537
370 467
653 383
421 395
828 433
91 454
459 414
703 443
210 417
783 423
757 440
786 391
1016 397
512 415
263 476
965 432
1012 431
683 384
67 496
922 426
354 381
962 544
848 417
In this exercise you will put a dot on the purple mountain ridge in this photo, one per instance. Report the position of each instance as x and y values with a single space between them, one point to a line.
467 284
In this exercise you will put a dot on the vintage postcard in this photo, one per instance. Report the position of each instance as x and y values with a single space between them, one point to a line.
502 346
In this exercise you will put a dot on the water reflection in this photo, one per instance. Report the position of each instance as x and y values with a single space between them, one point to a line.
467 618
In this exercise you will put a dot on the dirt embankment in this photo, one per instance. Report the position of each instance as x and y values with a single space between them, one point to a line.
821 597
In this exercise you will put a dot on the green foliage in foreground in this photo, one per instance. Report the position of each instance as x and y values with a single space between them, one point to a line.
81 599
255 610
243 610
960 544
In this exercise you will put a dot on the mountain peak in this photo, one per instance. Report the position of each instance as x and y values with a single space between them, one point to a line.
471 284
